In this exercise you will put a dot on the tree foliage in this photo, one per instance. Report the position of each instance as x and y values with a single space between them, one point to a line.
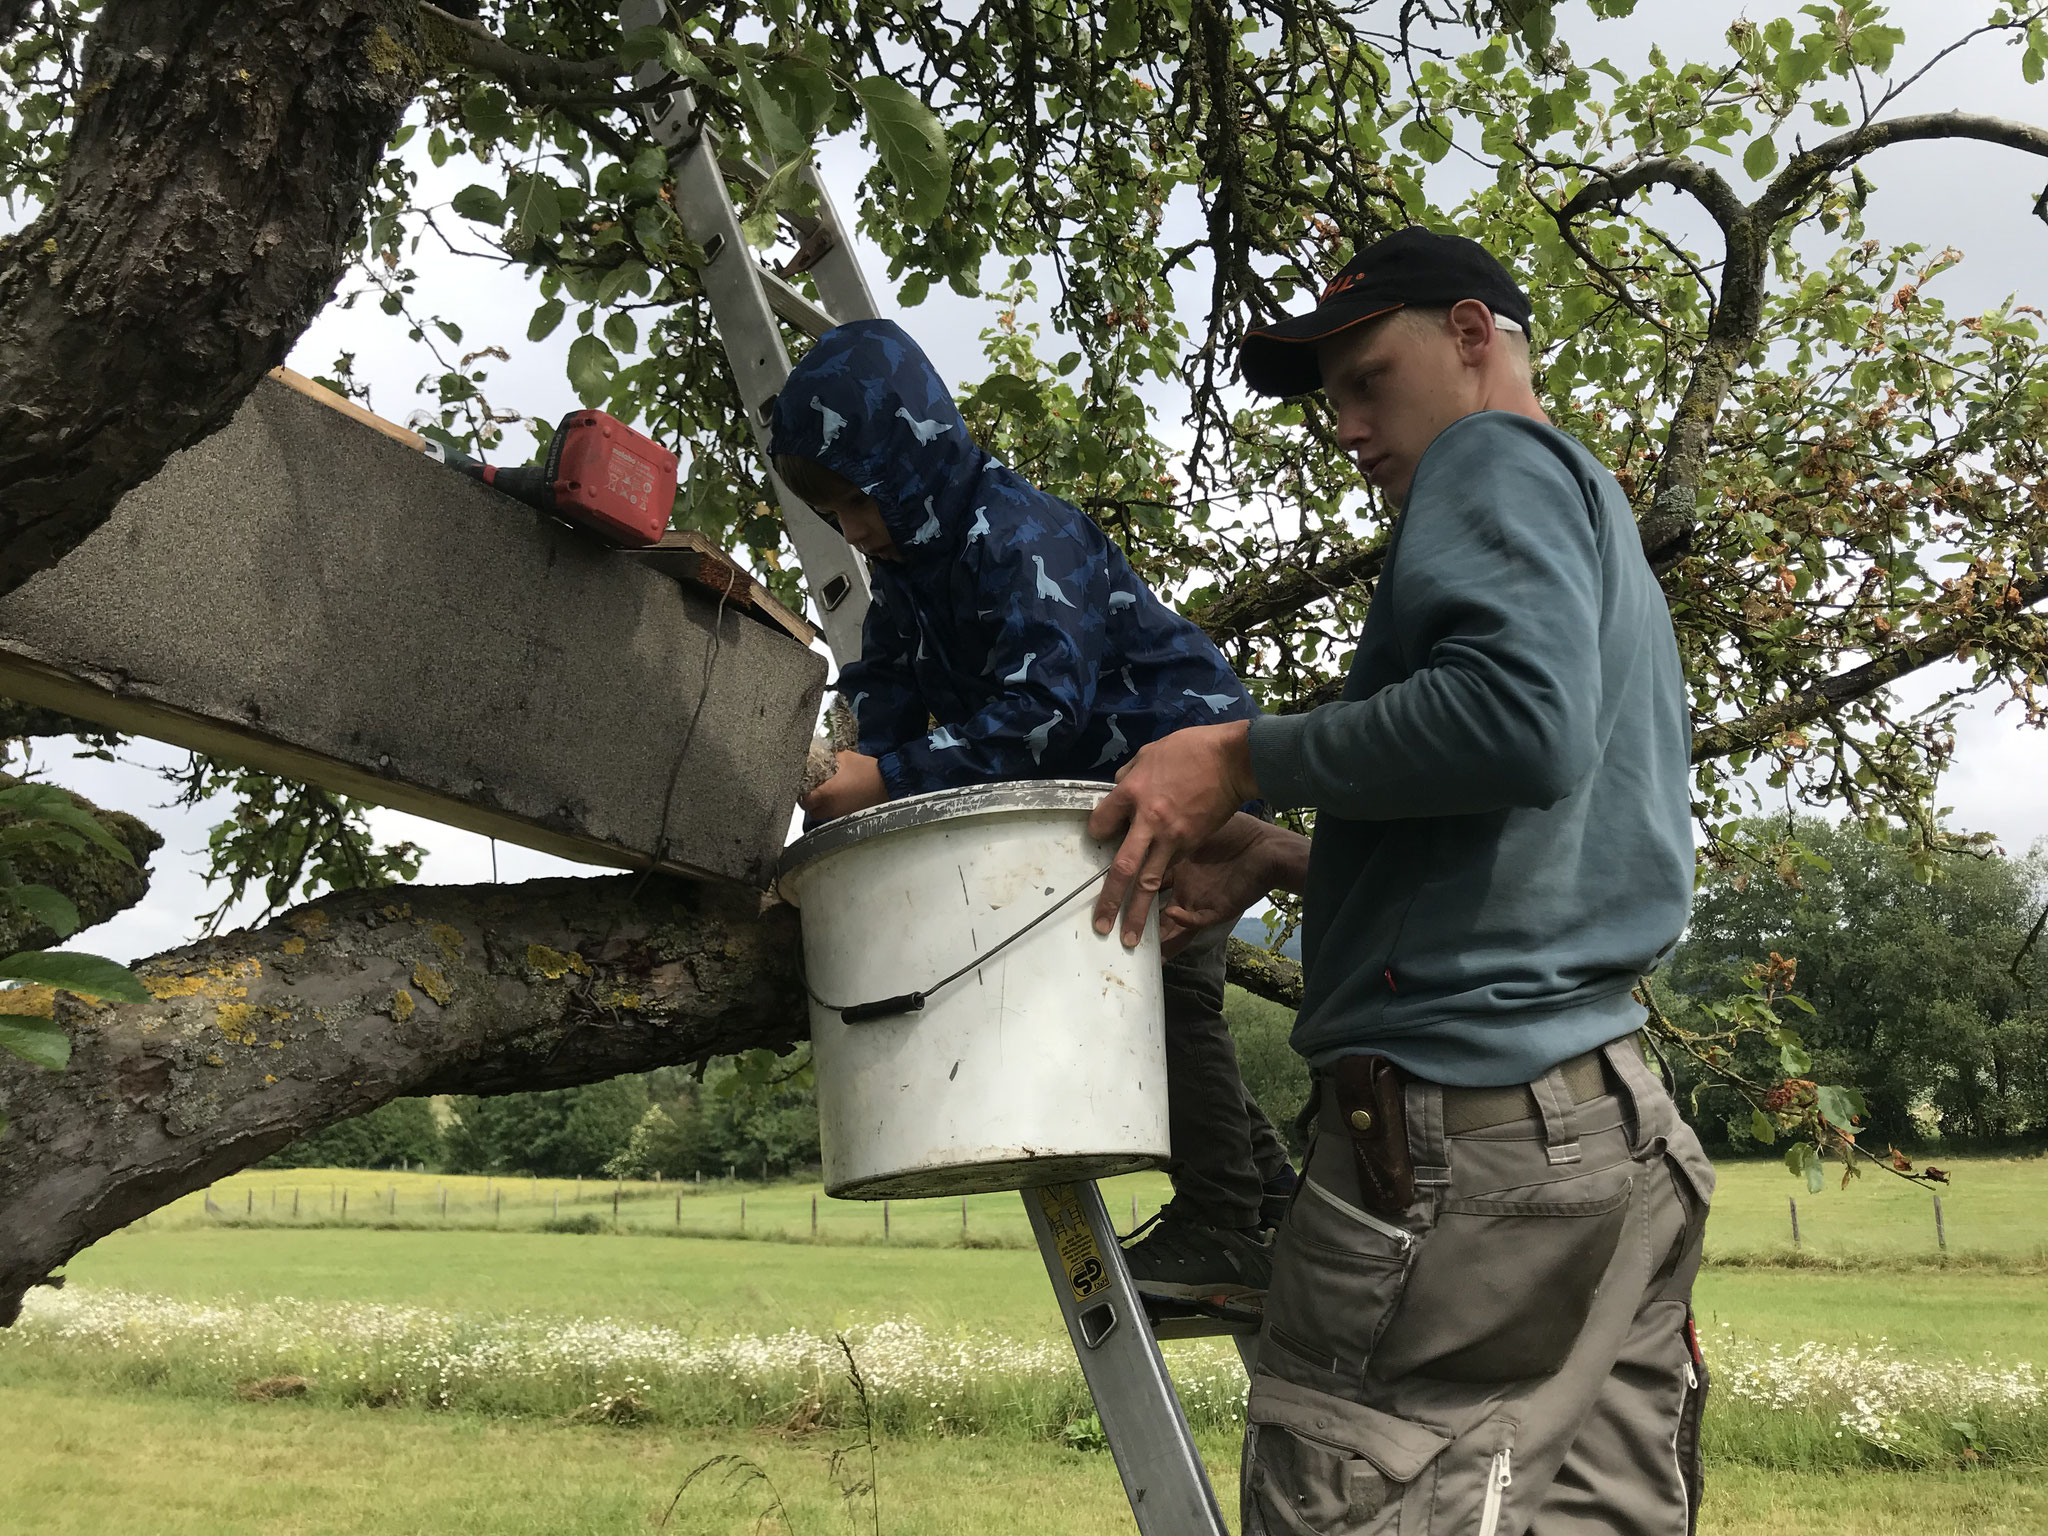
1927 994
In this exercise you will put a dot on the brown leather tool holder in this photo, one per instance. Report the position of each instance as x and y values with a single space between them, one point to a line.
1371 1103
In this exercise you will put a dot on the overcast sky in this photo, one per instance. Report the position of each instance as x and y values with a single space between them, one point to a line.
1975 197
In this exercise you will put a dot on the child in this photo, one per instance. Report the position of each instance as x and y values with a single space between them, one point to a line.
1008 639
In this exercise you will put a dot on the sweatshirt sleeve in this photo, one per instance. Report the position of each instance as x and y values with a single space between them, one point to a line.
880 688
1495 591
1052 589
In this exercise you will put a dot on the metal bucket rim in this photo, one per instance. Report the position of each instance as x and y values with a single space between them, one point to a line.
940 805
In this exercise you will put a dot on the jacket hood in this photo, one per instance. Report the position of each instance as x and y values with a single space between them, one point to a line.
866 403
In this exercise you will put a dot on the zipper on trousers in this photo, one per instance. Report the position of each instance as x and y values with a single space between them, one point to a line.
1385 1228
1498 1480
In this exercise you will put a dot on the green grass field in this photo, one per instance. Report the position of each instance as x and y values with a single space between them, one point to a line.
117 1439
84 1464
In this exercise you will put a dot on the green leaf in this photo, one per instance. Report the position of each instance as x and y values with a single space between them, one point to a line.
481 204
911 143
2030 67
1426 139
808 91
536 207
38 1040
773 126
591 366
1761 158
1119 28
87 975
627 274
1836 1108
621 332
544 320
1794 1060
1761 1128
48 906
50 805
1814 1175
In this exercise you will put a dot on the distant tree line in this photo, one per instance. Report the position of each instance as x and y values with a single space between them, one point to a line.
1932 996
665 1122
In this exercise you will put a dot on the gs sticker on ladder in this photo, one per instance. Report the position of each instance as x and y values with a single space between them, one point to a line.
1082 1260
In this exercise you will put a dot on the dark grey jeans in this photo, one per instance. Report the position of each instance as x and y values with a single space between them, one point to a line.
1224 1148
1513 1354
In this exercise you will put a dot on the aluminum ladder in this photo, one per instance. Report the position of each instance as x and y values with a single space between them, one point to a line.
1112 1334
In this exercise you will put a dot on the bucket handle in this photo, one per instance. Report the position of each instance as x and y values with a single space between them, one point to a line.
913 1002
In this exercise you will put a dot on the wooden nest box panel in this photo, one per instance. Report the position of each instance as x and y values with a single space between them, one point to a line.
304 594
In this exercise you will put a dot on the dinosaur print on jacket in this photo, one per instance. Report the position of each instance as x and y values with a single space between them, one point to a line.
986 651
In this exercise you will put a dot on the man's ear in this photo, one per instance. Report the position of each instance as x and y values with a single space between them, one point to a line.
1471 324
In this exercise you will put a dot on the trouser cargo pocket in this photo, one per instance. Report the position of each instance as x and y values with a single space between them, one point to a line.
1318 1464
1336 1276
1502 1285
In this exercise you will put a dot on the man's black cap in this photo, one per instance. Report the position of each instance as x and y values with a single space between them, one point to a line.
1410 269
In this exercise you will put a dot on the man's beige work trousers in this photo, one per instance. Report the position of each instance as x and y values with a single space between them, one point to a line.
1514 1352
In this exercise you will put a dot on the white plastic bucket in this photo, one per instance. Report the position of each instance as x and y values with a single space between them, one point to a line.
1042 1064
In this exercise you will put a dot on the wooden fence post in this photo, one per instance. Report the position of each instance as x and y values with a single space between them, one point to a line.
295 1202
344 1205
743 1213
679 1210
963 1215
250 1209
1794 1204
615 1207
814 1218
885 1221
1940 1231
499 1214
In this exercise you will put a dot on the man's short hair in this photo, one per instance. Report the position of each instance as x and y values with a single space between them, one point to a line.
812 480
1432 320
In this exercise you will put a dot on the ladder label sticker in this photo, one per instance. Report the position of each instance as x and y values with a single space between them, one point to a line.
1079 1256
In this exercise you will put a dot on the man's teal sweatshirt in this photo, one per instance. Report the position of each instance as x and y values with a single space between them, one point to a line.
1503 841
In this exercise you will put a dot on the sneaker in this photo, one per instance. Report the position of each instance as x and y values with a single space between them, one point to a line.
1186 1260
1276 1195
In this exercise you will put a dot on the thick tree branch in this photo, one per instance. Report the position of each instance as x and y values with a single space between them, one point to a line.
1844 688
219 167
473 45
1280 593
1807 170
265 1036
1610 186
99 884
1265 974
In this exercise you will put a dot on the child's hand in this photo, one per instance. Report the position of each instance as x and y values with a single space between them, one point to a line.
856 786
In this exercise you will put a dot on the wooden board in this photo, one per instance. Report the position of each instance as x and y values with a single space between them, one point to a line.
692 558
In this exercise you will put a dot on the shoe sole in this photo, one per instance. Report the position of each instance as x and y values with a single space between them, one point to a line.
1175 1291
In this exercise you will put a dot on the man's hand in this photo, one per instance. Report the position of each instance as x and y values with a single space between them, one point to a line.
854 787
1243 863
1169 800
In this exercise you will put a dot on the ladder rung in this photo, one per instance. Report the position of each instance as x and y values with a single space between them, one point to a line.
799 310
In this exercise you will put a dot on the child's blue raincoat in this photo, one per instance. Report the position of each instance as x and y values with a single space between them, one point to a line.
1014 641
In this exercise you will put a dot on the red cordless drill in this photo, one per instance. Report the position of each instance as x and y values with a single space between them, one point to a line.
600 475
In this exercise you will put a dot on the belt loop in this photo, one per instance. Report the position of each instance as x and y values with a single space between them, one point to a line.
1647 1098
1427 1149
1560 1117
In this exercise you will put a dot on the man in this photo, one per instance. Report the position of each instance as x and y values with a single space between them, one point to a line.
1480 1310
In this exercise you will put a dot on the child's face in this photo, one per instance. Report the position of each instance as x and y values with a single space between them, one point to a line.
858 518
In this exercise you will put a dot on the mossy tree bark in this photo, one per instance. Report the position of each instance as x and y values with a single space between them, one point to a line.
218 172
265 1035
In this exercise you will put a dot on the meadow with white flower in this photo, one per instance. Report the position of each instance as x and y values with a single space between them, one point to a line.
1809 1405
